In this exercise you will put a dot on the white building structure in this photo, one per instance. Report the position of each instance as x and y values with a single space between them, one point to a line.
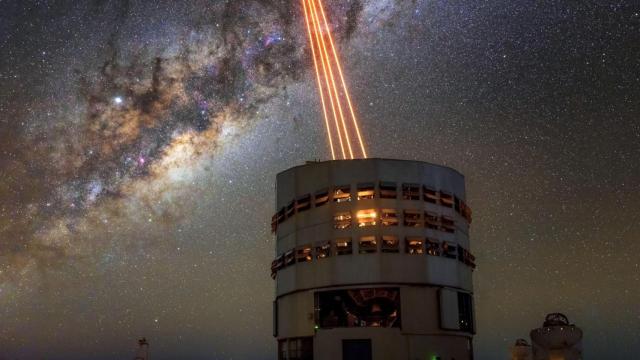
557 339
372 262
521 350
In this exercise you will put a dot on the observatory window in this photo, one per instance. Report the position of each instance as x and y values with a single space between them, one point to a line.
447 224
449 250
282 349
291 209
323 250
371 307
289 258
430 195
303 203
465 312
367 244
446 199
343 246
411 191
466 257
342 194
456 204
432 220
274 222
301 348
388 190
321 197
390 244
303 253
276 265
280 216
414 245
466 211
342 220
366 191
433 247
412 218
367 217
389 217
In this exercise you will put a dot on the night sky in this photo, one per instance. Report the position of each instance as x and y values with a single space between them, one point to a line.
139 143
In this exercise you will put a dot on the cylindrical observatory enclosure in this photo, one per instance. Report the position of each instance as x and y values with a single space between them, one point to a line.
372 262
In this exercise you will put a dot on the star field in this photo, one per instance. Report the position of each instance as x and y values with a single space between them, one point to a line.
139 143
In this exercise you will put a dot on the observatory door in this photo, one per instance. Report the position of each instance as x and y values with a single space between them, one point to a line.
356 349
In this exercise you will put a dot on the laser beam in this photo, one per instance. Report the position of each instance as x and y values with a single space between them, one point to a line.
315 65
326 59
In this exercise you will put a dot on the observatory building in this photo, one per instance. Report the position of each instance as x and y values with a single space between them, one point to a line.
557 339
372 262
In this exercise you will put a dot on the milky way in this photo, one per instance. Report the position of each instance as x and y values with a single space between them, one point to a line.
140 108
139 143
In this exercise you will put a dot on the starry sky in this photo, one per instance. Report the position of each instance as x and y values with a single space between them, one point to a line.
139 143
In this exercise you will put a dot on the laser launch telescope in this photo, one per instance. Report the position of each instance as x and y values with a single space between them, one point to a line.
372 262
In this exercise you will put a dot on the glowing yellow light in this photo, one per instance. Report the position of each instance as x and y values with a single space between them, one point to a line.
327 81
344 84
318 30
315 65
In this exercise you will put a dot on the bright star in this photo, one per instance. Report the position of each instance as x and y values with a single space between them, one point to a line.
118 100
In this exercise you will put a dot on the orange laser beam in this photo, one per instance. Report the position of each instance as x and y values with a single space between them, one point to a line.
319 82
344 84
324 67
332 77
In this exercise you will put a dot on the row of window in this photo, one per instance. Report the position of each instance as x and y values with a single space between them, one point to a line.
372 244
390 217
364 191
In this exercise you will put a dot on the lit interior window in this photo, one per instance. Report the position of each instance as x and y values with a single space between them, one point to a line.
389 217
289 258
291 209
447 224
367 244
412 218
368 307
430 195
303 203
390 244
342 220
432 220
279 219
367 217
388 190
466 211
366 191
456 204
414 245
411 191
467 257
343 246
342 194
449 250
303 253
321 197
276 265
433 247
323 250
446 199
